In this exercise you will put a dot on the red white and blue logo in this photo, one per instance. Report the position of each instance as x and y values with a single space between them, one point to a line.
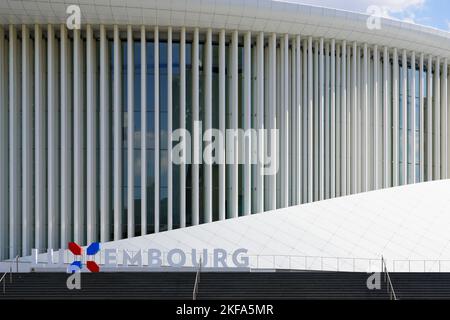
77 251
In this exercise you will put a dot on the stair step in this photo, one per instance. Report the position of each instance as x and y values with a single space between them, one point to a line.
223 285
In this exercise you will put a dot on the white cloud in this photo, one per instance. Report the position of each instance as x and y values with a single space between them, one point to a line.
400 9
362 5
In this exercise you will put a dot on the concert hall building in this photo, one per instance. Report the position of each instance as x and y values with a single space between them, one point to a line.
87 114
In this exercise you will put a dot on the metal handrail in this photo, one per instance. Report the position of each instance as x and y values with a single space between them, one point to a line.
2 279
271 258
197 281
387 279
438 263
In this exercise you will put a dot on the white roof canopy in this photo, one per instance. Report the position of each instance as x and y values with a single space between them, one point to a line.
254 15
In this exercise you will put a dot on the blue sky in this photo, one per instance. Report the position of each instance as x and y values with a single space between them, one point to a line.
434 13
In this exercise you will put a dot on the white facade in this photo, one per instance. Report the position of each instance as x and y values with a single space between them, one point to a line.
334 88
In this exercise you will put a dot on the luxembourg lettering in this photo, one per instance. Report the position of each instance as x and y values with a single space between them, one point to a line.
177 258
234 146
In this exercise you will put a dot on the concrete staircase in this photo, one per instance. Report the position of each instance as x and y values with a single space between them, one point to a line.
114 285
288 285
410 285
225 285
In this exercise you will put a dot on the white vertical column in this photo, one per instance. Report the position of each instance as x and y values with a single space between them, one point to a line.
130 133
144 125
279 103
360 125
247 122
316 117
386 124
333 120
169 131
40 155
27 144
310 121
271 189
354 122
52 143
349 118
422 119
195 138
338 120
437 120
365 121
395 120
295 125
327 123
376 172
78 152
265 124
118 162
14 148
298 121
305 122
156 101
285 123
91 100
66 143
430 118
207 167
4 152
272 185
183 125
404 137
229 140
105 159
222 124
412 125
344 120
444 126
321 124
254 150
234 124
292 126
143 146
